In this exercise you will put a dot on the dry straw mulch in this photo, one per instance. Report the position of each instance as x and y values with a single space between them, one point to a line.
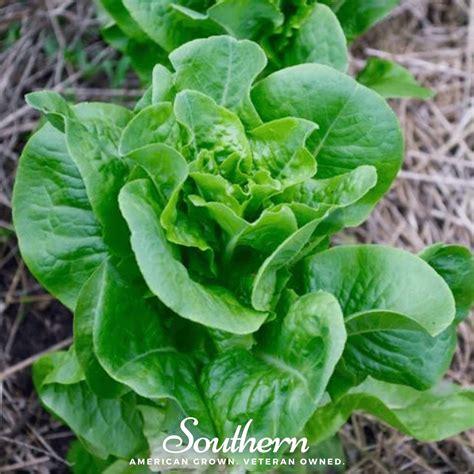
54 44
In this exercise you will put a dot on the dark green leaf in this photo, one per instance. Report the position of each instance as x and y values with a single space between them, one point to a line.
357 16
319 39
57 230
455 264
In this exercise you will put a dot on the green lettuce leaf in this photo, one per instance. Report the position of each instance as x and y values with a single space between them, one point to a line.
279 386
57 230
390 79
168 25
130 338
166 276
455 264
356 126
222 68
398 312
117 426
357 16
433 415
319 39
246 19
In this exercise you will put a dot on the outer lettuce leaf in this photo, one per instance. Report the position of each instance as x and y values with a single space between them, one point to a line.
87 309
169 26
162 85
92 134
279 386
117 10
117 426
130 338
92 140
52 105
82 461
356 126
439 413
246 19
57 231
382 287
319 39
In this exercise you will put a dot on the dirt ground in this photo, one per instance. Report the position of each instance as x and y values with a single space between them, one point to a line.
55 44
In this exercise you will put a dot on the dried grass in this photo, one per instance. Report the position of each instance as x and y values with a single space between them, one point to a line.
431 201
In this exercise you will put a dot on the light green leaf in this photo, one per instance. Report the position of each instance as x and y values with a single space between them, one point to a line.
391 80
356 126
273 274
117 426
310 197
433 415
166 276
222 68
212 127
227 218
455 264
166 167
213 187
145 100
338 190
168 170
57 231
52 105
162 85
279 146
265 234
88 112
319 39
280 385
153 124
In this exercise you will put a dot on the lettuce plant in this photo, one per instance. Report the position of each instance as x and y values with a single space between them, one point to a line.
191 239
290 32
